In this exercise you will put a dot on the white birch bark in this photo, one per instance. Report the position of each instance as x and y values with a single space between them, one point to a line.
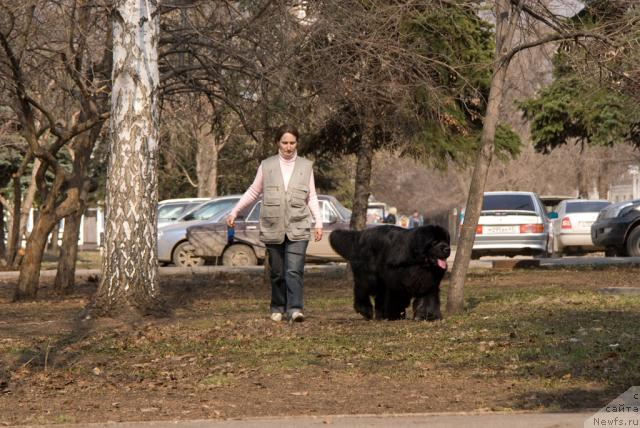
130 266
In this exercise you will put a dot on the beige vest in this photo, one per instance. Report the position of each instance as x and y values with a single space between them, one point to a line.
285 212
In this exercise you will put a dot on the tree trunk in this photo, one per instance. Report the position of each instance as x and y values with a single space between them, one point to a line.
80 183
207 165
65 275
14 232
504 33
129 280
363 182
53 241
603 175
50 215
27 286
583 185
3 247
27 204
20 214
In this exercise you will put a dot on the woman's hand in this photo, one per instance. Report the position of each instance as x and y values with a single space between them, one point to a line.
318 234
231 220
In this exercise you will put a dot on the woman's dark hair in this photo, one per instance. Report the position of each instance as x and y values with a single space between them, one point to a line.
285 129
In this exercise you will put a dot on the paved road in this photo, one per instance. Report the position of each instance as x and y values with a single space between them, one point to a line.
491 420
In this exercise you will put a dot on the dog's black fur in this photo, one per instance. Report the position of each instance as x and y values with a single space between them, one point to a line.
394 265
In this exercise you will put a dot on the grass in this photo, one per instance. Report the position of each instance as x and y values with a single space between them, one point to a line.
541 340
522 332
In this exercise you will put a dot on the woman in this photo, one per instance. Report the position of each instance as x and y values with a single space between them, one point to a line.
288 201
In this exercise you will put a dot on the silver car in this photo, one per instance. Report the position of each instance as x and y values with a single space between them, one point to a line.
172 238
171 210
572 228
512 223
245 249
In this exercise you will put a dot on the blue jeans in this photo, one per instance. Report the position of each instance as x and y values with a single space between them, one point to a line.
287 269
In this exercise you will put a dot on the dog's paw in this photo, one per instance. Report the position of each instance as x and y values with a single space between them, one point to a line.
365 311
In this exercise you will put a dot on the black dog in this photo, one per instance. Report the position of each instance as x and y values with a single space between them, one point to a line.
394 265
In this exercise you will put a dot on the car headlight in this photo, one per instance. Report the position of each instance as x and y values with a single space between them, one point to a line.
160 233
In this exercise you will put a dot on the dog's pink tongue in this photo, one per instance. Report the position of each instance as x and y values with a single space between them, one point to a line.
442 263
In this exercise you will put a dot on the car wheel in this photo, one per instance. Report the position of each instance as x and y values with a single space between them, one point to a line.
633 243
185 258
239 255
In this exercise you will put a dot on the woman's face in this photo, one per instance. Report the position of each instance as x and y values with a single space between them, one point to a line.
287 145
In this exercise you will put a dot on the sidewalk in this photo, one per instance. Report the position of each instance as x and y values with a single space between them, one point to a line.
489 420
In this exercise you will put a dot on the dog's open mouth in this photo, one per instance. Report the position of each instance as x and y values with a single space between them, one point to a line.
442 263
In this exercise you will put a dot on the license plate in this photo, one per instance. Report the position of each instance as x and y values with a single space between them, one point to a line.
499 229
585 224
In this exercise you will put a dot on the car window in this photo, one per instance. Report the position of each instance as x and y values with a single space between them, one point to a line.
586 206
328 214
508 203
345 213
170 211
255 213
211 209
220 216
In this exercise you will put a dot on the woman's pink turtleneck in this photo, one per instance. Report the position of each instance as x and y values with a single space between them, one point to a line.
286 166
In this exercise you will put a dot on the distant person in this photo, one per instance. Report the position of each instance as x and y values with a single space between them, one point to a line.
391 217
416 220
373 218
289 200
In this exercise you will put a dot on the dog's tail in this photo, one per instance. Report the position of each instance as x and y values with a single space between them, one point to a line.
344 242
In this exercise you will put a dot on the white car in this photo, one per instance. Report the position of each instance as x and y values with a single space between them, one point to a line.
572 228
510 224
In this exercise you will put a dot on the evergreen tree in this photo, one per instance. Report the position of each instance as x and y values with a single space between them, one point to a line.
592 101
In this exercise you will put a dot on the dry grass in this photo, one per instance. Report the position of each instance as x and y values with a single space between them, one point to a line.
529 340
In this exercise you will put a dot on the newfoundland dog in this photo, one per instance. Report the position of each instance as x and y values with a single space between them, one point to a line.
394 265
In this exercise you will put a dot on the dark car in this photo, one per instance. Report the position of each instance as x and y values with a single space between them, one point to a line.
210 241
617 229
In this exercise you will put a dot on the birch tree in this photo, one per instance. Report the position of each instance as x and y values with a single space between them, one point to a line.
129 278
